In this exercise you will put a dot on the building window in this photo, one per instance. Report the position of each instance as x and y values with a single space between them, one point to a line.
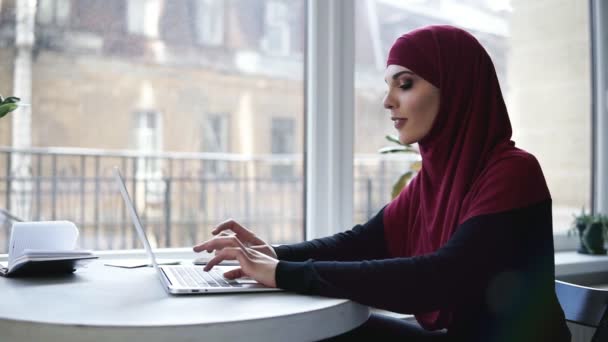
283 142
143 17
215 140
54 12
190 133
209 22
148 135
276 34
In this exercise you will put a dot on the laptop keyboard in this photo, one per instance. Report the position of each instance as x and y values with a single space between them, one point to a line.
196 277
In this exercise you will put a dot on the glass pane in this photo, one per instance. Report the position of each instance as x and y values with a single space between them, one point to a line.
543 68
182 95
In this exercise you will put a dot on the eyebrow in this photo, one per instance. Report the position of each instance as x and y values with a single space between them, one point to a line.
396 75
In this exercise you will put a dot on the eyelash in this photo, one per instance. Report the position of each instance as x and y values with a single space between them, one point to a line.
406 85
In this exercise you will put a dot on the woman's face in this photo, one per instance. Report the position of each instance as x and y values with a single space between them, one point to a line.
412 102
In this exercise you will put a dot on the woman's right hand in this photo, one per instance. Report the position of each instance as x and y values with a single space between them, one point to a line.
223 238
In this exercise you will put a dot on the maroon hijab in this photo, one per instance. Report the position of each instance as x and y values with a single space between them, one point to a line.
470 166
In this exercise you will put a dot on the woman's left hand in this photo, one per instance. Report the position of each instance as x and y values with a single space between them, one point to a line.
253 264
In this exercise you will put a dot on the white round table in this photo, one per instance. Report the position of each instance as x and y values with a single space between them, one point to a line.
101 303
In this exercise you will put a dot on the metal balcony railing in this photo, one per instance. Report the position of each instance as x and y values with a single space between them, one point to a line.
180 196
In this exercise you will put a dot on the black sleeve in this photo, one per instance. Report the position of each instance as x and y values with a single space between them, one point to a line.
362 242
459 273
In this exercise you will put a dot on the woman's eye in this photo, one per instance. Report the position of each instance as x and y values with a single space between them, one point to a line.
406 85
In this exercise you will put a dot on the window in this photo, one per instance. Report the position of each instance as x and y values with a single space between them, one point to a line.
54 12
215 139
276 38
209 21
147 131
148 140
143 17
544 71
283 142
173 125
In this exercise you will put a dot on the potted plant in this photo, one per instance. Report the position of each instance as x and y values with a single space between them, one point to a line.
8 105
414 167
592 230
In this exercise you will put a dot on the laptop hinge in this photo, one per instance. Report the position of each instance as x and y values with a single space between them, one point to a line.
166 276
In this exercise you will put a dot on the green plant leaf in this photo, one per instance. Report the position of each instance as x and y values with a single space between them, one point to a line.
400 184
397 149
393 138
7 108
11 99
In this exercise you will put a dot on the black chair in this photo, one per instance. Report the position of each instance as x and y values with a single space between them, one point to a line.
586 306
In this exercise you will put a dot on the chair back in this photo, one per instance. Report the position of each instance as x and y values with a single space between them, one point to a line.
586 306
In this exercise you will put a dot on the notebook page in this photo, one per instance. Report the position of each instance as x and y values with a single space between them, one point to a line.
46 235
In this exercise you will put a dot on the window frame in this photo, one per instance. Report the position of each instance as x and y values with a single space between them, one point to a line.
330 46
598 29
598 18
330 116
329 112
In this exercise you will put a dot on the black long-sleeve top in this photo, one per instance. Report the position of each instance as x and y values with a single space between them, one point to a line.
496 274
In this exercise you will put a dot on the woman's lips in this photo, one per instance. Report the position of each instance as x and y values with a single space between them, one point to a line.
398 122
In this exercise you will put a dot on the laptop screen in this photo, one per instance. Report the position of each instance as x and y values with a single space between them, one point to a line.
134 216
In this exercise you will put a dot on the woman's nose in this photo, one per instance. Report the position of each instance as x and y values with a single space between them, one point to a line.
388 104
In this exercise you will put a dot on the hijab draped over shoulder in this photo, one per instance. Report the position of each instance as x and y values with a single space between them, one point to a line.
470 166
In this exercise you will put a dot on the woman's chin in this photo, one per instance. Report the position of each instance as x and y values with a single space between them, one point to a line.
404 139
408 139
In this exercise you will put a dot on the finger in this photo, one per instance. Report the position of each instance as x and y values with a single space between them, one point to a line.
242 255
229 253
217 251
235 273
225 226
207 245
233 226
230 241
217 243
265 249
199 248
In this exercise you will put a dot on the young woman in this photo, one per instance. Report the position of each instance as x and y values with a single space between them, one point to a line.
467 247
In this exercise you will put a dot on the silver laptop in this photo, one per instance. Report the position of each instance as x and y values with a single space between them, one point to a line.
187 279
